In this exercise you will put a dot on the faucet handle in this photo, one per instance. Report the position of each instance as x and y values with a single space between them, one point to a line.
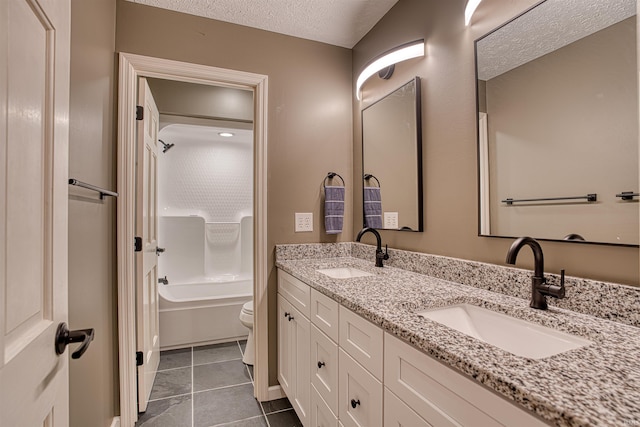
556 291
386 251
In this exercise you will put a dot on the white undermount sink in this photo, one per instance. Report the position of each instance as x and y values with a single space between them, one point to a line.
516 336
343 272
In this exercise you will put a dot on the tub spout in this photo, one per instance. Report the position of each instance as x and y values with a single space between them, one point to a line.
163 280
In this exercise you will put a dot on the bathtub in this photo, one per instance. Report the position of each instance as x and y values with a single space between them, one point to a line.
202 312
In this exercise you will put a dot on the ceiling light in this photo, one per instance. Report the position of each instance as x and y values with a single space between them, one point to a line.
225 134
468 11
401 53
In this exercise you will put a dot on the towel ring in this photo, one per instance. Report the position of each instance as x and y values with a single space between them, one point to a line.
368 176
332 175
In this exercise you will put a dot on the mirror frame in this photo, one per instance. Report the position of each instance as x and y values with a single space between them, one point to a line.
418 141
478 148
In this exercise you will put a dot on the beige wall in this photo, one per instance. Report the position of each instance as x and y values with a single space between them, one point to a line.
449 138
565 124
195 100
92 258
309 125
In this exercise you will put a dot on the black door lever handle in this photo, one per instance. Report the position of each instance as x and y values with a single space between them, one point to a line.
159 250
65 337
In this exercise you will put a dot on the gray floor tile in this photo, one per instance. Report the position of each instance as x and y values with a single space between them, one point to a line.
276 405
171 383
243 345
179 358
284 419
221 374
260 421
171 412
250 367
216 353
225 405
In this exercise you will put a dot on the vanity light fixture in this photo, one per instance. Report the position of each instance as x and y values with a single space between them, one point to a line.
401 53
225 134
472 5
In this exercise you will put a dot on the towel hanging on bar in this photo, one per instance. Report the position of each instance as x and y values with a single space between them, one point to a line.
372 203
333 205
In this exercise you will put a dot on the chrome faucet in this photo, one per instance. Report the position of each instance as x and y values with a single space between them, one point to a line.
379 254
539 286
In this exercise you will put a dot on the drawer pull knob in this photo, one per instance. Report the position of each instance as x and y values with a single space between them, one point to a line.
320 364
286 314
355 403
290 318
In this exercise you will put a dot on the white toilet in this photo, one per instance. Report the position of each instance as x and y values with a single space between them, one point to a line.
246 318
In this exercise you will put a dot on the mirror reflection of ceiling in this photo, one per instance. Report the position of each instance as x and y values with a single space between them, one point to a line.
337 22
537 32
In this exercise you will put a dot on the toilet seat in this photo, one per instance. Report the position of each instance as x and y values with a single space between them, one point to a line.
247 307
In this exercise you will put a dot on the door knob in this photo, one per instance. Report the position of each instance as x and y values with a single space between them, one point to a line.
65 337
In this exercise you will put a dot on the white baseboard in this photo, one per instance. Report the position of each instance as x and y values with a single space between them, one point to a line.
115 422
276 392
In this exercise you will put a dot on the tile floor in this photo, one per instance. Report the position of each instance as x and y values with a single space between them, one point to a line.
210 386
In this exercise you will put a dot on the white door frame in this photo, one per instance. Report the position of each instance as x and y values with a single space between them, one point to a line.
131 67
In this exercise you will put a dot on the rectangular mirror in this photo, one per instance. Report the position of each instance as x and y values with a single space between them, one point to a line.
558 124
392 160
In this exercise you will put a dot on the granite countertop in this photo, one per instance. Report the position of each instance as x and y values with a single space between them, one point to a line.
596 385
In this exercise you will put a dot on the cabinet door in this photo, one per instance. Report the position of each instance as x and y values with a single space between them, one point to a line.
360 395
397 414
301 376
324 367
362 340
284 346
324 314
321 415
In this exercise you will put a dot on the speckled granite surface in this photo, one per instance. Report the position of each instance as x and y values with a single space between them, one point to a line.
597 385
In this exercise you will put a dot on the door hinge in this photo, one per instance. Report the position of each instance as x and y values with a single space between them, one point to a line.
137 244
139 358
139 112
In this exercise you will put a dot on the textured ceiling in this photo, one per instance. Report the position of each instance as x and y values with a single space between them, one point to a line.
548 27
337 22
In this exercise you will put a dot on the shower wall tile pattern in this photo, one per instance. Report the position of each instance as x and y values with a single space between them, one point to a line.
205 175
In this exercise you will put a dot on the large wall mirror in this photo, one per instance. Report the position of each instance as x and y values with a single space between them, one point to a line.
392 160
558 123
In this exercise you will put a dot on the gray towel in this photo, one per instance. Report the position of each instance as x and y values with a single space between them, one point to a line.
372 207
333 209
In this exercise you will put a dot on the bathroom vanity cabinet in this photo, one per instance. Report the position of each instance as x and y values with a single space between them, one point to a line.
294 343
353 374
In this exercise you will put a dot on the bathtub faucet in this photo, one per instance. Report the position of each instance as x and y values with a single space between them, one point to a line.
163 280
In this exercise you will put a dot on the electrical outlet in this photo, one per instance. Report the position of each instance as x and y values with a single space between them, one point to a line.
391 220
304 222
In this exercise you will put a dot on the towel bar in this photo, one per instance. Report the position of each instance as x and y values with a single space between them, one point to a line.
331 175
588 197
102 191
368 176
627 195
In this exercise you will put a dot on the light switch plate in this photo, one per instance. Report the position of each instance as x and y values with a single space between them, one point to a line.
304 222
391 220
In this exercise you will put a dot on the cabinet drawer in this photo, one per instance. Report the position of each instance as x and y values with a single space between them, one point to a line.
324 314
321 415
360 395
443 396
397 414
362 340
324 367
295 291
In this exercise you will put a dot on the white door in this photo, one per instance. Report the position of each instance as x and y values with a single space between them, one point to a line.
34 114
147 228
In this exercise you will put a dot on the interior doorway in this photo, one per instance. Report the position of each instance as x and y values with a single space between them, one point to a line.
132 67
